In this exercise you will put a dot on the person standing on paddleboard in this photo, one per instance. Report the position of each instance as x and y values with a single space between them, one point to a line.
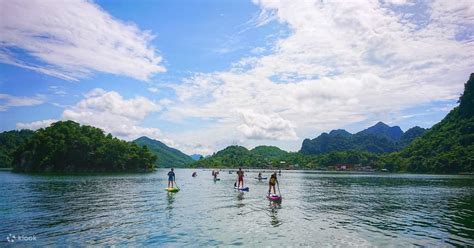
171 178
271 183
240 178
215 173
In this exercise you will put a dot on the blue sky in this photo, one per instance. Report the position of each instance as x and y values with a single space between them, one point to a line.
202 75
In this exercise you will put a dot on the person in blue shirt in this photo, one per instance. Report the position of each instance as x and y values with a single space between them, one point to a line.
171 178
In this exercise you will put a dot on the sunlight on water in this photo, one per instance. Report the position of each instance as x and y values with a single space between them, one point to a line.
339 209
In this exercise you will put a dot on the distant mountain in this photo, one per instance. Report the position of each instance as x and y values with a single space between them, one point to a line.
239 156
268 151
167 156
379 138
339 132
448 147
196 156
410 135
9 142
381 129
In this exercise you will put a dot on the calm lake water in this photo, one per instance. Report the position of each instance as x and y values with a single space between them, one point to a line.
317 209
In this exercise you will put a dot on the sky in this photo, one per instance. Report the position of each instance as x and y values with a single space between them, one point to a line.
202 75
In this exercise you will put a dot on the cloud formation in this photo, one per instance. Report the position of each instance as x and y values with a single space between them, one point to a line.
342 62
35 125
73 39
109 111
266 127
114 114
8 101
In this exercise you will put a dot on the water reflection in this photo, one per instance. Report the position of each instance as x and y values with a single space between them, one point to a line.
335 209
170 198
240 198
273 213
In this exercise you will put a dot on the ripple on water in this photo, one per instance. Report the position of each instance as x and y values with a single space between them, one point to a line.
317 209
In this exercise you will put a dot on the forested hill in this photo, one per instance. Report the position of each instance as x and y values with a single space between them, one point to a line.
239 156
379 138
66 146
167 156
9 142
448 147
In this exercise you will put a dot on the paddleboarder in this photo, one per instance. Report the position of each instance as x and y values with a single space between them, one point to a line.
271 183
171 178
240 178
215 173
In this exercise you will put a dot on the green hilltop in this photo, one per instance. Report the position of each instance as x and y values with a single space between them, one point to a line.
68 147
167 156
448 147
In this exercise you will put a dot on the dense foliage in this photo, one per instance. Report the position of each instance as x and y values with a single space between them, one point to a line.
273 157
167 156
238 156
410 135
9 142
66 146
379 138
448 147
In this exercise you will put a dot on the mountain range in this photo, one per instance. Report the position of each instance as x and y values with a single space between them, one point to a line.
380 138
447 147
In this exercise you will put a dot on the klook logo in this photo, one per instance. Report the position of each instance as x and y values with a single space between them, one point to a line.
20 238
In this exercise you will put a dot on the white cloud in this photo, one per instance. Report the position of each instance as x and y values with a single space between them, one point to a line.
35 125
258 50
397 2
57 90
112 113
153 89
266 127
342 62
8 101
73 39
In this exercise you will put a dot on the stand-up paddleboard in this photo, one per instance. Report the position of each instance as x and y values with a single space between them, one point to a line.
172 189
262 178
274 197
242 189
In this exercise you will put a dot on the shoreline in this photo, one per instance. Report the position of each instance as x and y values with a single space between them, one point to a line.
309 171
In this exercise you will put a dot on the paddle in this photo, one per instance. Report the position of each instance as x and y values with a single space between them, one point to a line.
176 184
278 185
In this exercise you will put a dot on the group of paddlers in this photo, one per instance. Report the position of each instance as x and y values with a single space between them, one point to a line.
239 184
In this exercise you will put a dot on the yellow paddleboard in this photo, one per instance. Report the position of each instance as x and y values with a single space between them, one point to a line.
172 189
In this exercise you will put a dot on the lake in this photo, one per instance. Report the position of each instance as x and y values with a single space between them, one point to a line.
317 209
